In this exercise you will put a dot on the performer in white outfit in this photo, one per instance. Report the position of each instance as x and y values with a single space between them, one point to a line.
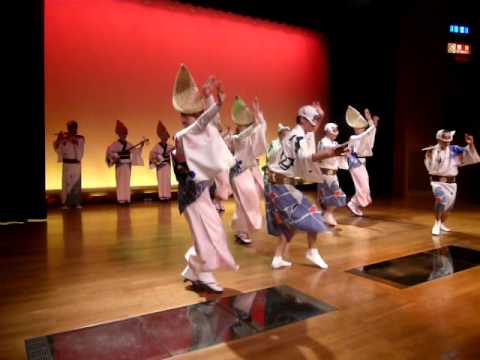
361 146
248 143
442 162
221 190
123 155
159 159
70 147
330 195
200 154
287 208
274 150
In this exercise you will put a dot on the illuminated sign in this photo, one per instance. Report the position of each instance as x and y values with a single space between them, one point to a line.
456 48
459 29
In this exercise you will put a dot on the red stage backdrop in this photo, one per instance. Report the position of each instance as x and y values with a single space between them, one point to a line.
117 59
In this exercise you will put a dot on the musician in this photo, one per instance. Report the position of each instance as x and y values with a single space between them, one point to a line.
159 159
123 155
69 147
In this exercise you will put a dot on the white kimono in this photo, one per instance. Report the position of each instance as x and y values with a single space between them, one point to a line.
361 147
223 190
201 146
123 166
329 192
274 151
71 154
159 159
362 144
245 177
444 163
205 151
295 158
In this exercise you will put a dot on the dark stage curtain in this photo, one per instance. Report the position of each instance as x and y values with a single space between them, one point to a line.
23 122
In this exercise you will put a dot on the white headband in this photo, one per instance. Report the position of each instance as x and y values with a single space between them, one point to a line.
331 128
445 135
309 113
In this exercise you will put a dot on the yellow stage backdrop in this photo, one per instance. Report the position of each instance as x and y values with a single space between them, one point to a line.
108 59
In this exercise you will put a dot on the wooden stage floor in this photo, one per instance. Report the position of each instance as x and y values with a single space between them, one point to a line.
107 262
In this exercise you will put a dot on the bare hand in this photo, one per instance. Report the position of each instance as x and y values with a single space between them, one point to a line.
340 150
316 105
375 119
220 92
208 87
429 154
368 116
256 109
468 139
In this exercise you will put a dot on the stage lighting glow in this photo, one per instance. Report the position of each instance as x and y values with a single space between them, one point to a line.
111 59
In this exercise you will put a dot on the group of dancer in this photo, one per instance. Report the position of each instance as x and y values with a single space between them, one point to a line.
210 163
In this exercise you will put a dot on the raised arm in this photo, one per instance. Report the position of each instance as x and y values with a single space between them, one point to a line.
339 150
470 155
215 97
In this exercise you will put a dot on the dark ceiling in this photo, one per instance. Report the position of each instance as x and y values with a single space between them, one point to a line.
319 15
336 14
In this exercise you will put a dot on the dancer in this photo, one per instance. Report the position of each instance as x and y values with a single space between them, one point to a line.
123 155
442 161
360 145
275 148
329 193
200 154
159 159
248 143
70 147
221 190
287 208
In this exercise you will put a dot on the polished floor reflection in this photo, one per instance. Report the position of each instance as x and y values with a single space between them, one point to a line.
104 263
172 332
421 267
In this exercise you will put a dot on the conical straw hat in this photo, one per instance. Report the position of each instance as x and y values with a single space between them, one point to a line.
186 99
355 119
120 128
162 131
241 114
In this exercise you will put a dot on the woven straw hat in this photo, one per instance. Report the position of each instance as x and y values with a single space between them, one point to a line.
187 98
241 114
355 119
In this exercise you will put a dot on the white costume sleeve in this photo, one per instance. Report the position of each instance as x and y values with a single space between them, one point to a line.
429 160
111 155
205 150
260 137
136 156
470 156
334 163
363 143
153 157
81 147
59 151
306 167
244 133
